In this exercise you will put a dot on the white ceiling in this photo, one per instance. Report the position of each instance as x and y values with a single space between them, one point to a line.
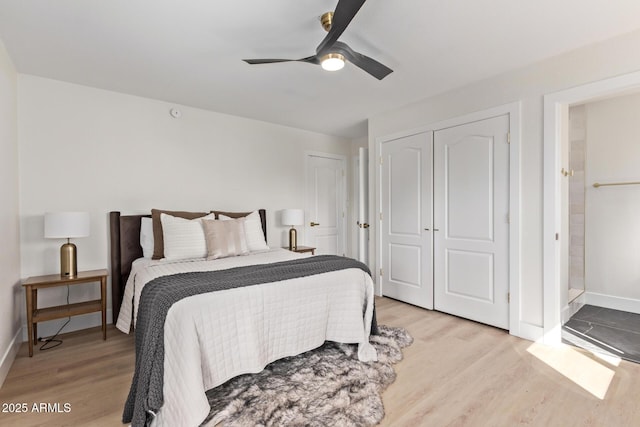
189 51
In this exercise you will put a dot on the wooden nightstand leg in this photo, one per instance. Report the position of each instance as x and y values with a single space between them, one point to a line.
103 297
29 295
35 307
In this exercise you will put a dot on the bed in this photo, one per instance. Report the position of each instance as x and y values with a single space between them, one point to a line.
283 304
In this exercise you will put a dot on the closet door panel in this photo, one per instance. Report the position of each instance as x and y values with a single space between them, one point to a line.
406 218
471 199
469 193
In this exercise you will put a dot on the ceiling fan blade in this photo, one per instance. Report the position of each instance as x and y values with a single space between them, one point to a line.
342 16
370 65
309 59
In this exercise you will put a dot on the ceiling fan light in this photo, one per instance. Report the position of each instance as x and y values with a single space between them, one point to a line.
332 61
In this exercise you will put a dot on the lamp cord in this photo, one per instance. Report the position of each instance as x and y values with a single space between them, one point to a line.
52 342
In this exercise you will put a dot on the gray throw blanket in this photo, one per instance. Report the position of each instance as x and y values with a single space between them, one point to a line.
145 396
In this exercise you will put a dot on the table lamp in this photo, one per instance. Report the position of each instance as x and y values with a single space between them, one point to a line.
67 225
293 217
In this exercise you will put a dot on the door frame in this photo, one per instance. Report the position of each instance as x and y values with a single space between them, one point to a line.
555 104
355 204
517 327
342 233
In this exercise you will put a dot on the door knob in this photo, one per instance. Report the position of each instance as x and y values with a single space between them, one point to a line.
313 224
362 225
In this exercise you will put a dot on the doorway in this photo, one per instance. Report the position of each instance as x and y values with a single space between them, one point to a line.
325 203
604 201
556 231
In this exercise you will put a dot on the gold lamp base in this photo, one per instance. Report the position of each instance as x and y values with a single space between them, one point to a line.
293 239
68 260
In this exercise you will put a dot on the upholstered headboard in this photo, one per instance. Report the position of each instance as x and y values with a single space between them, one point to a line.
124 231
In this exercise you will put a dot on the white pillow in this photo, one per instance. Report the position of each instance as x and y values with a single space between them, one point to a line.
253 231
183 238
146 237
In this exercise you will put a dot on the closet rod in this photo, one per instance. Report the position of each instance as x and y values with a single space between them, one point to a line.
597 184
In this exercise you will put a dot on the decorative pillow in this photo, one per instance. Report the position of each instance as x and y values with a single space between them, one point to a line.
158 237
253 231
225 238
183 238
146 237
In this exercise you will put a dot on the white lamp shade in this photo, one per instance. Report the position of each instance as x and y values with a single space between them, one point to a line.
66 225
293 216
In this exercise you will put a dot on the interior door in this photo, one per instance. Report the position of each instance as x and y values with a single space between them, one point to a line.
325 204
471 244
406 218
363 205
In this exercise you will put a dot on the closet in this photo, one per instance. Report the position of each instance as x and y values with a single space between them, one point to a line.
602 203
444 219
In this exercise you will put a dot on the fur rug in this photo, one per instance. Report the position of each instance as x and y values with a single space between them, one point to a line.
327 386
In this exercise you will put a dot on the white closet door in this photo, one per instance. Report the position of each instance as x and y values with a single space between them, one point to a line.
406 236
471 246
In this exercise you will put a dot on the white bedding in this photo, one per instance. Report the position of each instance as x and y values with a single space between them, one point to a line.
211 338
143 270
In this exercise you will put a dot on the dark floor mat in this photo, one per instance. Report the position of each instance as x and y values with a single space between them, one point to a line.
614 331
608 317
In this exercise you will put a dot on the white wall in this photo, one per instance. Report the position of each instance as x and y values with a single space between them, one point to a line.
93 150
528 85
612 245
11 296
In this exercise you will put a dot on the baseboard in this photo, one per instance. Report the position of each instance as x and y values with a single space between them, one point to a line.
528 331
615 303
9 356
77 323
572 308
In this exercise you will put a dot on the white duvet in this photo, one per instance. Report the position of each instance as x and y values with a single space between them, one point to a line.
213 337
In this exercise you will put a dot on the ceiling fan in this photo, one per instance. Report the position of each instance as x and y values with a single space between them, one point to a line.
331 53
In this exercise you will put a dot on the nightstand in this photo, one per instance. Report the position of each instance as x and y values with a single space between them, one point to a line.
35 314
303 249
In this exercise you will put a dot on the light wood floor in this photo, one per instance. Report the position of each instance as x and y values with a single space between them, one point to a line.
456 373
